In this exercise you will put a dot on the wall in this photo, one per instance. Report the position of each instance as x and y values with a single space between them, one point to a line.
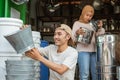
2 8
6 8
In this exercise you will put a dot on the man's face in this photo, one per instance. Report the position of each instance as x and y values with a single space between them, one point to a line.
60 37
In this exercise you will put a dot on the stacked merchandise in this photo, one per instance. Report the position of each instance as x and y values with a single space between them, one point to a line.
7 52
7 26
22 70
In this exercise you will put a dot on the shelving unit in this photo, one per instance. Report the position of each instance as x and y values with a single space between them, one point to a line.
69 14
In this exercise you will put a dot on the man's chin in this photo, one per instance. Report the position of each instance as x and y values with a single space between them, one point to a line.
57 44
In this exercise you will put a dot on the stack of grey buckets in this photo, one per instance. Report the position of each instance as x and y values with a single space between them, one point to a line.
22 70
14 66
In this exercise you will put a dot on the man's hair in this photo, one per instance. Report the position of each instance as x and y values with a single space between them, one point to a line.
68 30
117 52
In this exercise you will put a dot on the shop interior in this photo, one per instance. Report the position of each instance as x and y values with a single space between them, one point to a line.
45 15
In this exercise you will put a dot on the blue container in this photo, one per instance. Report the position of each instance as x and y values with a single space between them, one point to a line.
44 43
44 70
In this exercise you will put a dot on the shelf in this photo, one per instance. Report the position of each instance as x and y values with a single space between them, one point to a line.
55 18
49 19
47 33
114 16
113 31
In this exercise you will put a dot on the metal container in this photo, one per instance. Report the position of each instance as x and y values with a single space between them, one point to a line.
30 72
22 62
26 69
118 72
23 67
106 62
94 24
21 40
21 77
86 37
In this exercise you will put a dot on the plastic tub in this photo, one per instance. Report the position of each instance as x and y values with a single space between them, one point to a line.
7 26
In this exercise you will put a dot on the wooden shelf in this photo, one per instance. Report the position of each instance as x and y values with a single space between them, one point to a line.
47 33
49 19
113 31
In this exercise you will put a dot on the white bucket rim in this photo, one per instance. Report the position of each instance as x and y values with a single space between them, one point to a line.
11 20
11 24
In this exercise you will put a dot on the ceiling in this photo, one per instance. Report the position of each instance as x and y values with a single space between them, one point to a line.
81 1
58 7
97 4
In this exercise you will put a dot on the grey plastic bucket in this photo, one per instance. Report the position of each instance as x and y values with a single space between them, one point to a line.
21 40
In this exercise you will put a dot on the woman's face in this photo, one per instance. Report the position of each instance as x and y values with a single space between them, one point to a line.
87 17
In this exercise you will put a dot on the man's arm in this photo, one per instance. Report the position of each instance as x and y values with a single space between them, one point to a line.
35 54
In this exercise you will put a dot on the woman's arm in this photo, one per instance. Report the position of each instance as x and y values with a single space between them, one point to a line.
101 30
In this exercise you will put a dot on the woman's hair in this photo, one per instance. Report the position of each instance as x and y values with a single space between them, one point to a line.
86 8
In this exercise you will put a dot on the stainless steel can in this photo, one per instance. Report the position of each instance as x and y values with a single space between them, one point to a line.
86 37
106 61
118 72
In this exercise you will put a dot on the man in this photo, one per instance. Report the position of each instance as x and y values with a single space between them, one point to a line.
62 58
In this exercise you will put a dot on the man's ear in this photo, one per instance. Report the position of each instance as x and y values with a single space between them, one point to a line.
68 37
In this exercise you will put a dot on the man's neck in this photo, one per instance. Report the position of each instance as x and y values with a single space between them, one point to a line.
62 48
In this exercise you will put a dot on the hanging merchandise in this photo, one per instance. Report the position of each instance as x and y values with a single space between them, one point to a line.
18 2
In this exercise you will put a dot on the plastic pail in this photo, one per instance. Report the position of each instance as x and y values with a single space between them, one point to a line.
44 70
7 26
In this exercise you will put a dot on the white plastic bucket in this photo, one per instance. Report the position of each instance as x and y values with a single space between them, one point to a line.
36 38
7 26
14 20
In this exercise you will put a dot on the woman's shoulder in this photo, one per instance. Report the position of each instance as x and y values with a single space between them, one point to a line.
77 22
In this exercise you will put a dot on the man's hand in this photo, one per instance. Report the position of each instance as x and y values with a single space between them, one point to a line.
34 54
24 26
100 24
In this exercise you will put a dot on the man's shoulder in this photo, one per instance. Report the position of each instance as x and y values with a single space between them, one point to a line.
72 49
52 46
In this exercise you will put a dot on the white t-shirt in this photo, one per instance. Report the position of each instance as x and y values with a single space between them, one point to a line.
67 57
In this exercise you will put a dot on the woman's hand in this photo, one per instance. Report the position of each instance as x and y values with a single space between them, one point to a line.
100 24
34 54
80 32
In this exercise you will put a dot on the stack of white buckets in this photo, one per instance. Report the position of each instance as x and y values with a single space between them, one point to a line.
7 26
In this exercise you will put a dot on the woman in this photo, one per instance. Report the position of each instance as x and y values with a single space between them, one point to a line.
87 52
